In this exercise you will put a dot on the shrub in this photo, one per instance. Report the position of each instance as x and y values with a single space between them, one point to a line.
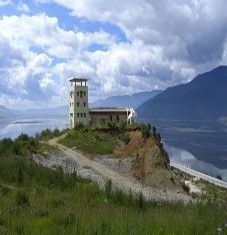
20 176
124 137
145 129
22 137
108 188
79 126
141 202
56 132
45 133
66 220
22 199
219 177
5 190
185 187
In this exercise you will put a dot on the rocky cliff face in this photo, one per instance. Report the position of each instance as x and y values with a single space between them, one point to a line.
151 164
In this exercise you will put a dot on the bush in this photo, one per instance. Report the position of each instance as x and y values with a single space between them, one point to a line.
108 189
23 137
45 133
124 137
141 202
79 126
146 130
8 148
22 199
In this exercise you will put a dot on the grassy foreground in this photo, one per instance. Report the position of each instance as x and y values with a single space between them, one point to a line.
36 200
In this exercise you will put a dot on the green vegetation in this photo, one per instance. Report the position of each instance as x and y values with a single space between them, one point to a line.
91 141
37 200
96 140
44 201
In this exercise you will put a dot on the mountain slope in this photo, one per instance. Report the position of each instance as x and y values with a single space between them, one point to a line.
133 100
204 98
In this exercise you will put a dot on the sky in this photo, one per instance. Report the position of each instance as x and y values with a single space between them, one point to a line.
123 47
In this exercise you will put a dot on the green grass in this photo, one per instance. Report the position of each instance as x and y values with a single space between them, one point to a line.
91 141
44 201
37 200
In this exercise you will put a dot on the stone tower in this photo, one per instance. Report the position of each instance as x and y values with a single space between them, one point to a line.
78 102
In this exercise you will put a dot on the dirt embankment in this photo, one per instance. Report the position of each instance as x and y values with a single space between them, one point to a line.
151 164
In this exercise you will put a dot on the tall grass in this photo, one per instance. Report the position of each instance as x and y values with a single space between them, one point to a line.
37 200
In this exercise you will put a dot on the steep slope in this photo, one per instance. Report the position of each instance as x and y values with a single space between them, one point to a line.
133 100
204 98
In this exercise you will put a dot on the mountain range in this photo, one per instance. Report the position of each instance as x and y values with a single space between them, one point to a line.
133 100
204 98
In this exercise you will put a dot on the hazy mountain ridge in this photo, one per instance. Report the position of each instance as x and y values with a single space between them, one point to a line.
133 100
119 101
204 98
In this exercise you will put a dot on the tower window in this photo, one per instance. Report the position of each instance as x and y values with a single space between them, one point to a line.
71 114
84 114
84 104
78 115
78 104
84 93
81 115
78 93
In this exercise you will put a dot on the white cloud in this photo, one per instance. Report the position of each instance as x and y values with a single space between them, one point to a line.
168 42
23 7
5 2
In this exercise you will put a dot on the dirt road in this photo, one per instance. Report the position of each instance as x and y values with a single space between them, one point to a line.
98 172
200 175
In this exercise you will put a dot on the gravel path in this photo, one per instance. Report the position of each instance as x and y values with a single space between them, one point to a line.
100 174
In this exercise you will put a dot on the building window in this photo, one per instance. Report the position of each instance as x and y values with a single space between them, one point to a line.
117 117
84 104
81 115
71 94
84 114
78 104
78 93
84 93
71 114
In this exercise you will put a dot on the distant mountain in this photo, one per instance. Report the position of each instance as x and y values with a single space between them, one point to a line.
5 113
133 100
204 98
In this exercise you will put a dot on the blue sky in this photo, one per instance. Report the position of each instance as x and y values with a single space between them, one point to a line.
122 46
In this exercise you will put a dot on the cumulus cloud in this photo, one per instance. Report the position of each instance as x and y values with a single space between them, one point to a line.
5 2
168 42
31 50
23 7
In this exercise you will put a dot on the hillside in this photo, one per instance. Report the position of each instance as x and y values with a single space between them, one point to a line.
204 98
133 100
40 200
